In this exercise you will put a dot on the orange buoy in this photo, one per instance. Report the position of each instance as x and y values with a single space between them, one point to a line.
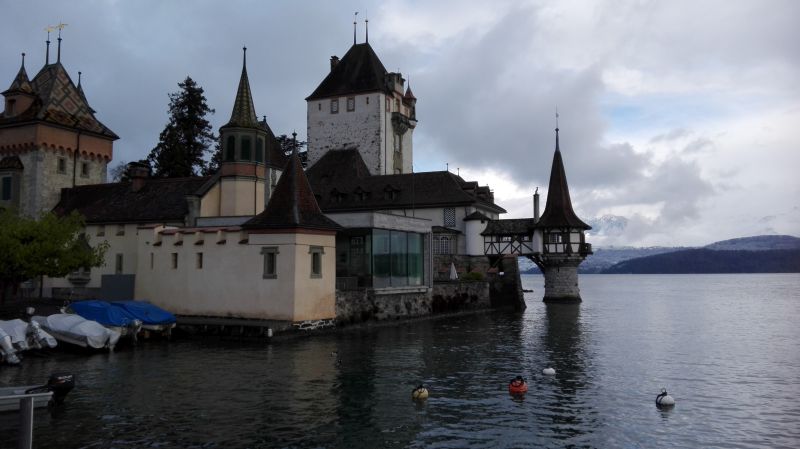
518 386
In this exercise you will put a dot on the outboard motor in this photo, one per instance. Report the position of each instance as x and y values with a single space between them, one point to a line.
40 338
59 383
7 348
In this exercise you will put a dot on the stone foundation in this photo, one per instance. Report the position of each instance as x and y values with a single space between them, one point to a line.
355 306
458 296
561 282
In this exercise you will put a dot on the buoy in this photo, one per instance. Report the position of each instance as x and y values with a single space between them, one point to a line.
664 400
549 372
419 394
518 386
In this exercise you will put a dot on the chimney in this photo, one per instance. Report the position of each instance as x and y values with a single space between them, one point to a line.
334 61
536 206
138 174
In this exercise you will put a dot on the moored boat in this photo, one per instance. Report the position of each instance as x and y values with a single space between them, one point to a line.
114 318
153 318
58 385
76 330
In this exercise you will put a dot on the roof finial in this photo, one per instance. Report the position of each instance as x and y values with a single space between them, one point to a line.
23 60
244 57
47 53
294 142
79 78
60 27
557 148
366 23
354 27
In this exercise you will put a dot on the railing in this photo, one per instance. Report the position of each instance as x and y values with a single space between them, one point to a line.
26 416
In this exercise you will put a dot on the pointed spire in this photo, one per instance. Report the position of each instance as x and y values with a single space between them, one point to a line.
292 204
244 112
366 25
409 95
21 82
60 27
47 53
558 210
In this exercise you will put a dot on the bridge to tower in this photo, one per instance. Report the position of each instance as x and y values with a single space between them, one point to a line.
556 242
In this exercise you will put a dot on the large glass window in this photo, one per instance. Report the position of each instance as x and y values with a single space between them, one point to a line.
399 250
415 259
246 148
230 149
260 150
381 257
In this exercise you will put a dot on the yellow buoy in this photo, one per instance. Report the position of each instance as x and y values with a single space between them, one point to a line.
419 394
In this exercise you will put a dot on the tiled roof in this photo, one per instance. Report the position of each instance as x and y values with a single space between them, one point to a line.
21 82
360 70
558 209
11 163
244 111
292 204
342 183
59 102
509 226
159 200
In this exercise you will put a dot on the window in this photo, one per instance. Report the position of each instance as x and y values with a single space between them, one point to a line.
245 149
230 149
152 260
449 216
260 150
351 104
174 261
316 260
367 100
5 188
270 261
62 165
10 107
121 229
101 230
335 106
388 105
319 108
554 238
85 169
441 245
199 261
118 264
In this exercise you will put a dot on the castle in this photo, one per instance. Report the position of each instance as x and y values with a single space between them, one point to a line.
357 235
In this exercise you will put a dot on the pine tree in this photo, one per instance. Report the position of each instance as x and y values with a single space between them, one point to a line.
187 137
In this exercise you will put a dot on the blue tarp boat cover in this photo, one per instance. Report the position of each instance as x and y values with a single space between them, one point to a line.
102 312
146 312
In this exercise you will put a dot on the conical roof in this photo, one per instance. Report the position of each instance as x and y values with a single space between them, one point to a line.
360 70
409 95
292 204
244 110
558 210
82 94
21 82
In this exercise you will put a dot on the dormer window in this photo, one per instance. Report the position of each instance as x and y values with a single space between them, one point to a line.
361 194
390 193
335 106
337 196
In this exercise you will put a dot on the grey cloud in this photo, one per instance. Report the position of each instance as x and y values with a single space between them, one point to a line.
673 134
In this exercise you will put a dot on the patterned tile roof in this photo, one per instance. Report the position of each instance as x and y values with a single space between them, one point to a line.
59 102
244 111
21 82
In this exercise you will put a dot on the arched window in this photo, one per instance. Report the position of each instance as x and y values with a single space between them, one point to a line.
260 150
230 149
245 149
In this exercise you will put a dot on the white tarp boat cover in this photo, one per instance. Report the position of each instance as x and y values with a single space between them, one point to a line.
79 329
17 330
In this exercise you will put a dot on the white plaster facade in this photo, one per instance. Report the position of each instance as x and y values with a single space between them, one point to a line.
221 273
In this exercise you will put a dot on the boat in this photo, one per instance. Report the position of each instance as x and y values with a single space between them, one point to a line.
8 353
114 318
58 385
76 330
26 336
153 318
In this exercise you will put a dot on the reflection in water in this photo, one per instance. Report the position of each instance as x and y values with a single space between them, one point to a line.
612 353
563 343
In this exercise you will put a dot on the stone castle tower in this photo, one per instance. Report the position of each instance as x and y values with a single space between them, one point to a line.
49 139
251 157
564 244
360 105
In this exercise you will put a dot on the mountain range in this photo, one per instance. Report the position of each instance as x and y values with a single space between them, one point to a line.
758 254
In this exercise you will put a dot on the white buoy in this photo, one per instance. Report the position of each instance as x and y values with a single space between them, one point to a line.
664 399
419 394
549 372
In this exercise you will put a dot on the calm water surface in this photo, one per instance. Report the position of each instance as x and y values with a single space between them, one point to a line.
725 346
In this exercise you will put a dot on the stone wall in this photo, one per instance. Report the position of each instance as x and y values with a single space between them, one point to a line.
561 281
454 296
355 306
505 284
464 264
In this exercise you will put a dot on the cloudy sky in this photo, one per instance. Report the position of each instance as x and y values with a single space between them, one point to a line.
680 120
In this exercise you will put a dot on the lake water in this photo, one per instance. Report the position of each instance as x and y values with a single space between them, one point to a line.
725 346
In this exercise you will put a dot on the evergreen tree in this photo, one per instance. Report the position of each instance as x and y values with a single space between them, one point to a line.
187 137
288 143
215 162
